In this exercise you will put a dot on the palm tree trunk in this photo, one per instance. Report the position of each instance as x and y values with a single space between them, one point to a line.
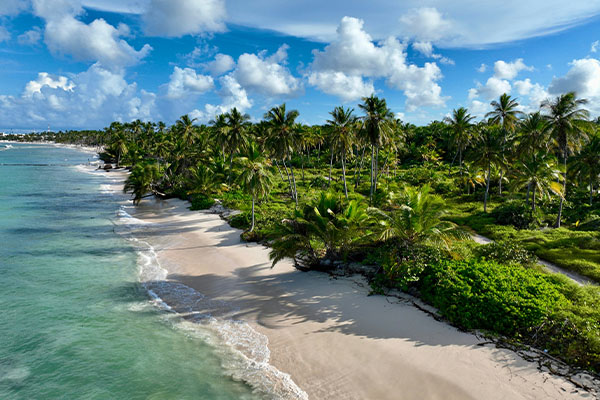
358 171
344 174
230 168
330 168
562 199
500 184
294 181
376 176
487 187
279 169
533 200
591 190
372 168
289 179
252 226
528 190
302 157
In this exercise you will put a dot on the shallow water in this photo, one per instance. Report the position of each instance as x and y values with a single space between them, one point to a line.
75 321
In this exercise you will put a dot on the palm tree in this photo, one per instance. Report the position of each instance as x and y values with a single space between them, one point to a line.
255 179
220 131
568 124
237 136
142 180
532 134
506 114
418 220
461 125
343 124
489 144
377 126
186 129
539 172
283 139
587 163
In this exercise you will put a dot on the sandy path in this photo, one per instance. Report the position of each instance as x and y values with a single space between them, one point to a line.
334 341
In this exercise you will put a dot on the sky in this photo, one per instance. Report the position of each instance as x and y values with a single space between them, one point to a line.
81 64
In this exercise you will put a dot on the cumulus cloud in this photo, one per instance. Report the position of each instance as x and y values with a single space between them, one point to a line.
232 94
494 87
594 46
90 99
4 34
583 78
482 68
97 41
12 7
354 54
175 18
267 75
45 80
341 85
221 64
534 92
31 37
509 70
185 82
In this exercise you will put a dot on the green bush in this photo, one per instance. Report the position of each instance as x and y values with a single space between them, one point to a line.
515 213
201 201
486 295
506 252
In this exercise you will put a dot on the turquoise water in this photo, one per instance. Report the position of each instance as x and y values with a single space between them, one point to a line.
75 323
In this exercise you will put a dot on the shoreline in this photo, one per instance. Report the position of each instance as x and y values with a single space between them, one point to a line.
333 340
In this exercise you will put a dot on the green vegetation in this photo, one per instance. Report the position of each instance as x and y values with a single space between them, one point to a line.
368 188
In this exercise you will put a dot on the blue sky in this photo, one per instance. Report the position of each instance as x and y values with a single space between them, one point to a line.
84 63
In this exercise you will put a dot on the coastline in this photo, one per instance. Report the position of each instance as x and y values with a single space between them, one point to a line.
333 340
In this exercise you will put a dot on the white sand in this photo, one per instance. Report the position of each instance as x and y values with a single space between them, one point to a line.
334 340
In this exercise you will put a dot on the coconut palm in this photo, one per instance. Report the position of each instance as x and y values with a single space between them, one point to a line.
255 178
489 142
506 114
220 131
186 130
540 173
532 134
237 136
586 164
418 219
343 124
377 126
141 181
568 125
283 139
461 125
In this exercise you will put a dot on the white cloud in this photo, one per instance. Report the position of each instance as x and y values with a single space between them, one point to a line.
482 68
425 24
97 41
232 94
354 54
583 78
474 23
175 18
479 108
221 64
535 93
31 37
509 70
185 82
594 46
339 84
267 75
45 80
493 88
12 7
425 48
4 34
90 99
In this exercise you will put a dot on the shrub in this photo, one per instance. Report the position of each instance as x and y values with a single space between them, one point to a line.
486 295
506 252
201 201
515 213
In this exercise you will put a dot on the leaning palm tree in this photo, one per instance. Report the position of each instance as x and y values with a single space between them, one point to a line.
489 143
461 125
283 139
343 124
141 181
505 113
237 135
255 179
540 173
586 164
568 123
377 126
418 220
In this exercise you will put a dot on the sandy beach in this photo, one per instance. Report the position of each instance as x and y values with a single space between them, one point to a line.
334 340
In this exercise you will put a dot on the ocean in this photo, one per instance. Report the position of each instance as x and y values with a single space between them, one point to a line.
77 320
